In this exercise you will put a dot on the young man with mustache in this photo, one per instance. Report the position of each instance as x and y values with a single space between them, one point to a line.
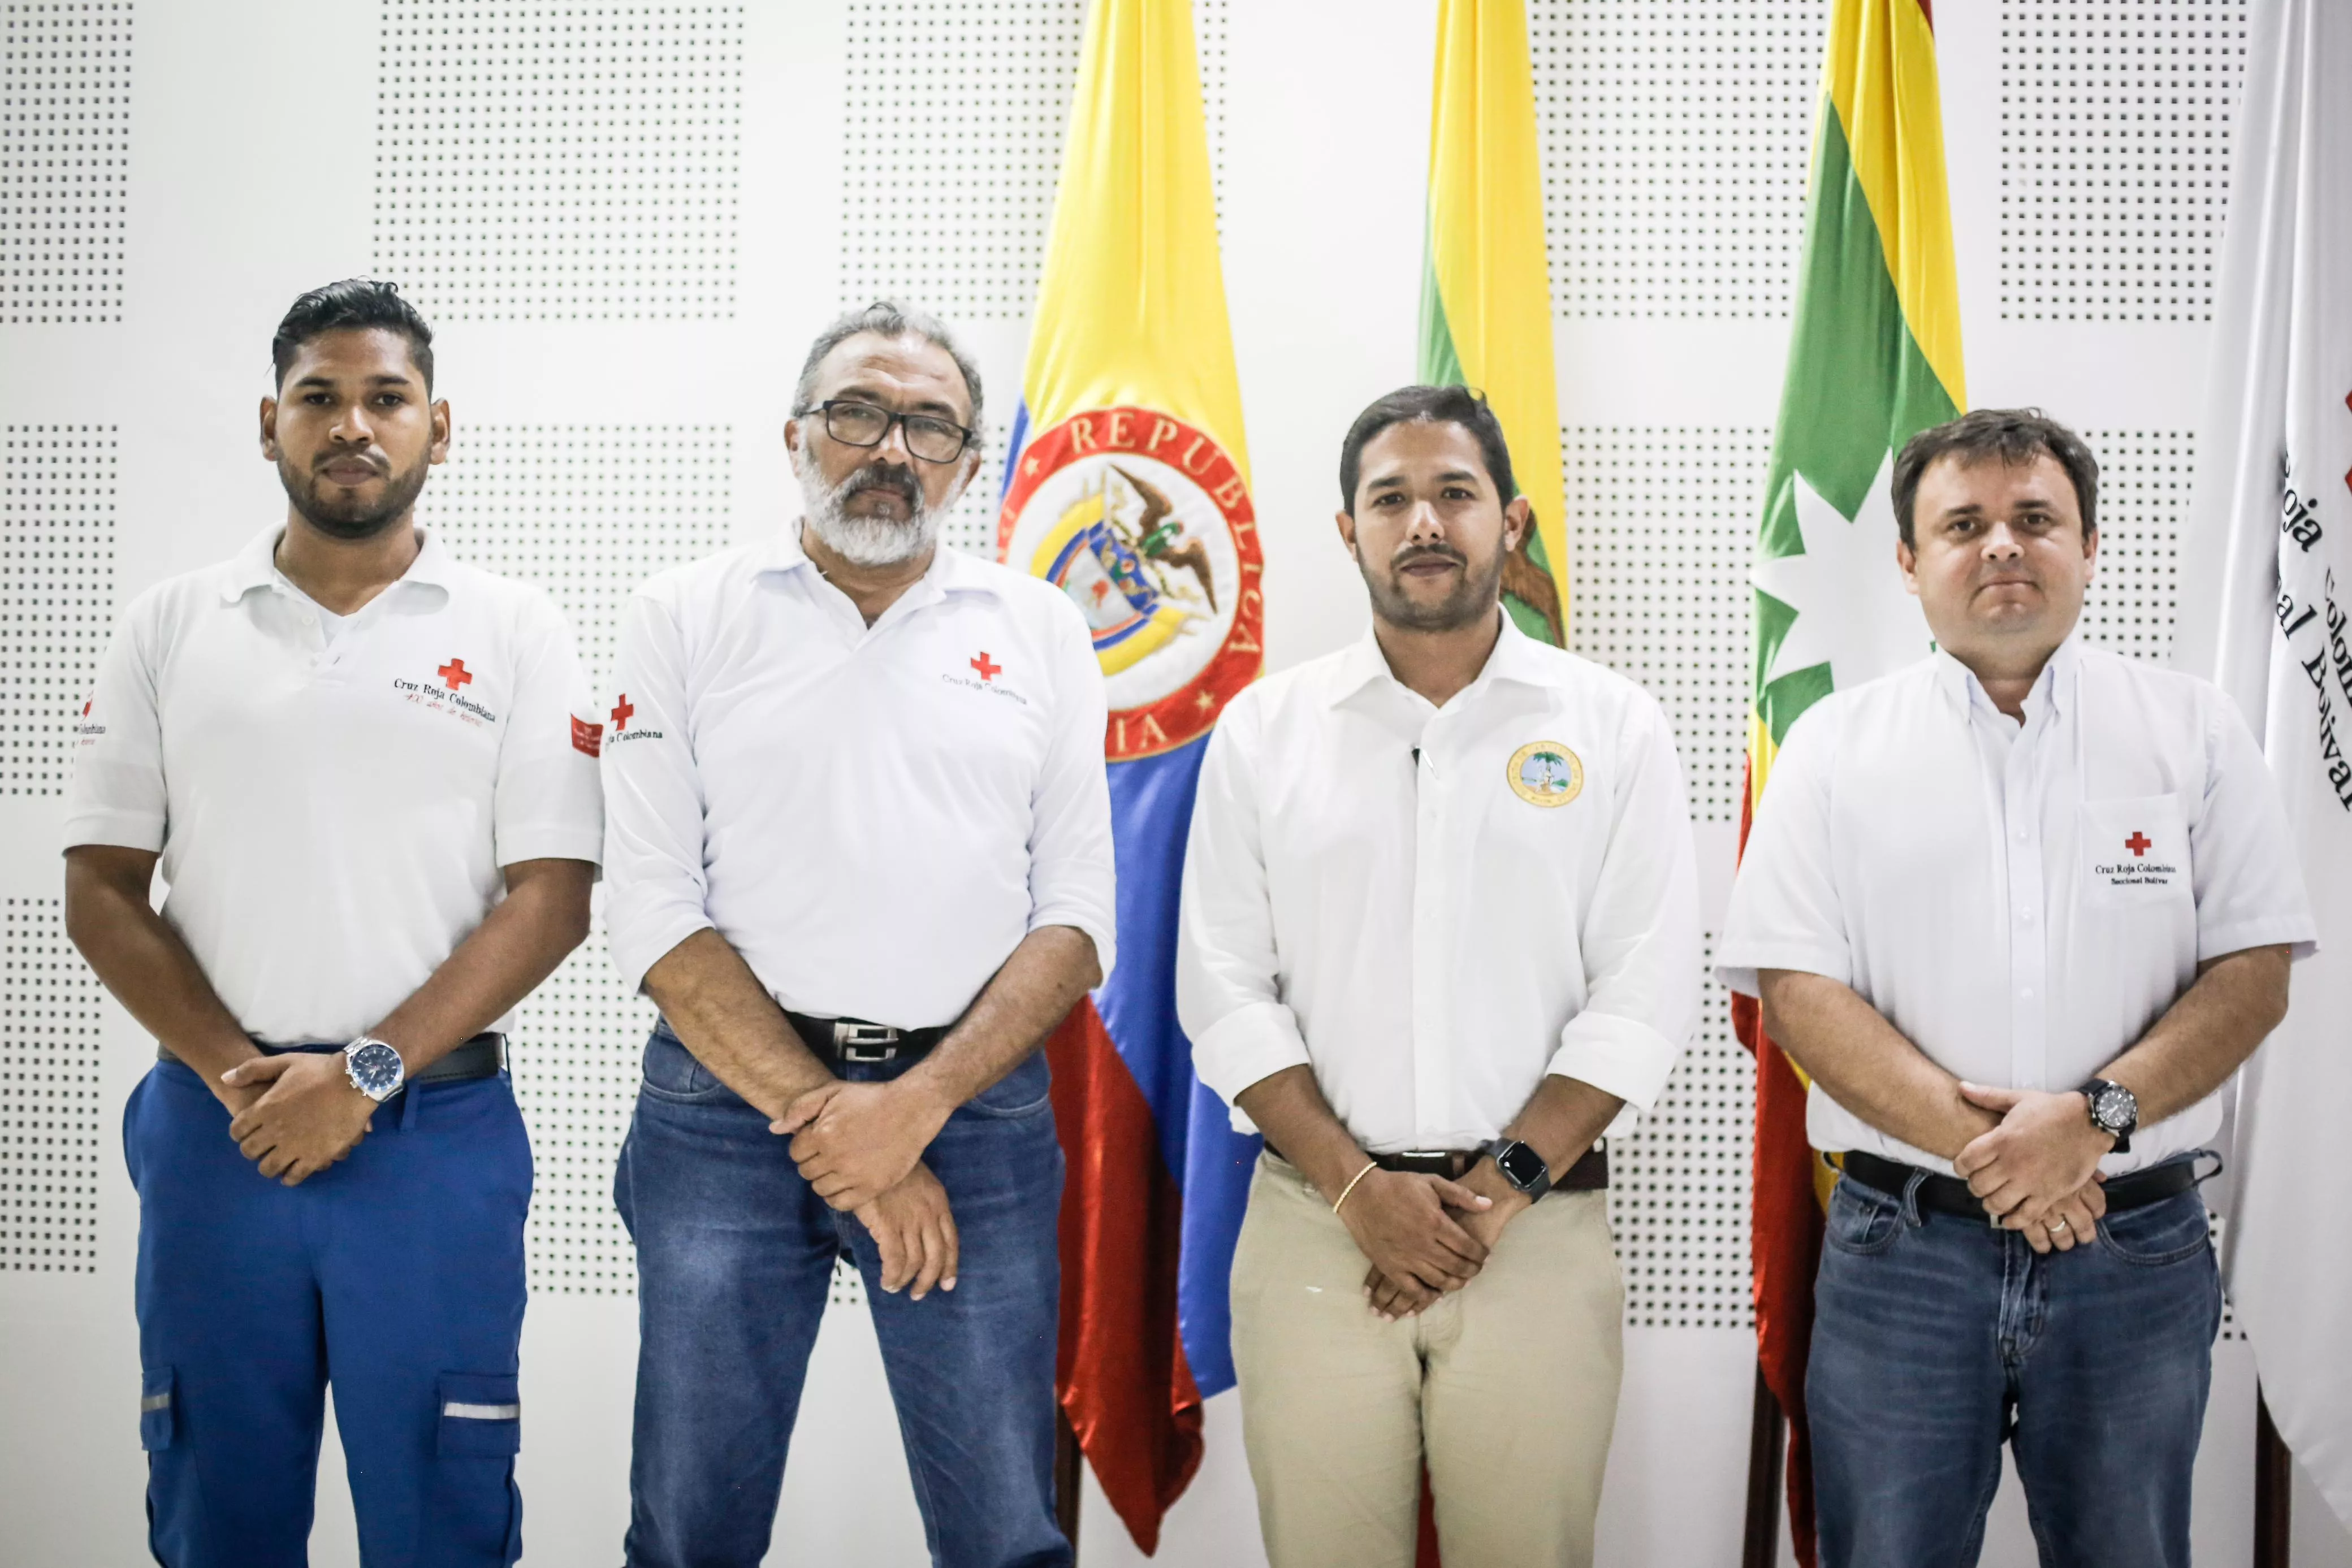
368 775
1439 935
2019 910
860 855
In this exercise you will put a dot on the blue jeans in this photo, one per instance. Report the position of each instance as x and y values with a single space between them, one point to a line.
1935 1338
735 1253
396 1275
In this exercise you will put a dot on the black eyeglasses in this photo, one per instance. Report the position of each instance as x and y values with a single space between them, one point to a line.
928 437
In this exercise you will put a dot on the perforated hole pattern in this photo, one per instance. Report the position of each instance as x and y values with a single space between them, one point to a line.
587 512
561 162
1676 137
65 159
57 592
2115 155
49 1033
954 120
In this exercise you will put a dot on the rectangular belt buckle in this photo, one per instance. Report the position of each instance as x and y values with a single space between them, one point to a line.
865 1042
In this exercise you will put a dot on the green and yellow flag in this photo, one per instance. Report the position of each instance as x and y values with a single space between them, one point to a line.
1486 295
1873 358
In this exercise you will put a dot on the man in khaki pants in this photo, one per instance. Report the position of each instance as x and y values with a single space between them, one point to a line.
1439 935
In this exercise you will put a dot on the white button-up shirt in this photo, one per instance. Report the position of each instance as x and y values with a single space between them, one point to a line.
2021 901
872 817
1436 907
334 812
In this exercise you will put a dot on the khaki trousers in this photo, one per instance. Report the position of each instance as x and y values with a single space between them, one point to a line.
1507 1388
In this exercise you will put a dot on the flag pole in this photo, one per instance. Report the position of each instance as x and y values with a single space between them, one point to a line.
1767 1435
2273 1490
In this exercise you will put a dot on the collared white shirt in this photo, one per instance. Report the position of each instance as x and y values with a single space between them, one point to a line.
1434 907
872 817
334 813
2021 901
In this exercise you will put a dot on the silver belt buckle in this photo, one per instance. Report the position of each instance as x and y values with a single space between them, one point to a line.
865 1042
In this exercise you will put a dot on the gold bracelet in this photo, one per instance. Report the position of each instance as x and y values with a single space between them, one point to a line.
1370 1166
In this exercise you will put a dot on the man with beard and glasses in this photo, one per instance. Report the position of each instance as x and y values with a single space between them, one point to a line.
369 775
859 853
1439 935
2019 909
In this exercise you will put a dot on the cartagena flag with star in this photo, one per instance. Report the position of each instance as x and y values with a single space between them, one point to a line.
1873 358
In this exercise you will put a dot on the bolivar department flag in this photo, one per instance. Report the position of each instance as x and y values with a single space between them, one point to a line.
1873 358
2266 612
1126 485
1485 294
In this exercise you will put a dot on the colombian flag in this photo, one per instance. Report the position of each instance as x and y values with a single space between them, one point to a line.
1873 358
1126 485
1486 292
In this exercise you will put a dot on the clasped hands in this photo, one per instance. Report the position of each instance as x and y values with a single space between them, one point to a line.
2038 1170
860 1146
296 1114
1425 1235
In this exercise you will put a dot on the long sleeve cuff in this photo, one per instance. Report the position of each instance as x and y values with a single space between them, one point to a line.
1619 1056
640 936
1247 1045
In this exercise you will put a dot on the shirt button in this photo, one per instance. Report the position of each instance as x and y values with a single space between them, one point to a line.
2021 835
2026 915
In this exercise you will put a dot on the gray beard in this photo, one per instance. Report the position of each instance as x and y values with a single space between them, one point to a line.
869 540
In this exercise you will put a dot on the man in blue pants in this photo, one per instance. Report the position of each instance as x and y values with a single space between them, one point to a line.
369 778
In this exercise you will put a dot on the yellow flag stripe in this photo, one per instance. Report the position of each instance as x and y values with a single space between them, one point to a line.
1487 244
1880 78
1131 307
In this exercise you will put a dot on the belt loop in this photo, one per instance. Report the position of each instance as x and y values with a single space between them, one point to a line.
2219 1167
1911 1186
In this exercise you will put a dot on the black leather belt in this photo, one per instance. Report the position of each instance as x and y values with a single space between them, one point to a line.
480 1057
1588 1174
1950 1195
842 1041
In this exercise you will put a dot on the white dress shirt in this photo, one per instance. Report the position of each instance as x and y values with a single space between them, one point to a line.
2021 901
872 817
334 812
1368 892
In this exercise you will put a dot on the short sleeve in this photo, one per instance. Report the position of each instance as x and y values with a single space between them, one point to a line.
1072 870
117 794
550 802
1785 912
2249 886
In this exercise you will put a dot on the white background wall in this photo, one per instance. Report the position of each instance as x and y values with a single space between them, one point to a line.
262 160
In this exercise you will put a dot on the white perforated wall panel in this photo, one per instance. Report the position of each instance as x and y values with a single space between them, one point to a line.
1675 136
588 512
2144 479
543 160
955 114
65 159
2115 155
49 1113
57 592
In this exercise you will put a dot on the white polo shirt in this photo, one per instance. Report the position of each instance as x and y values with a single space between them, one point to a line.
2021 901
334 813
872 817
1433 907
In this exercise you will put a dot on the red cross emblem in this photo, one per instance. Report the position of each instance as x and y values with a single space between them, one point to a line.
988 672
620 711
2139 844
455 674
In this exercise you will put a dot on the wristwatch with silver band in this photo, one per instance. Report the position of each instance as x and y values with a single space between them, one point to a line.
374 1068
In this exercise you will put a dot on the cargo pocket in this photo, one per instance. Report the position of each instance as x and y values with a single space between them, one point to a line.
158 1408
481 1413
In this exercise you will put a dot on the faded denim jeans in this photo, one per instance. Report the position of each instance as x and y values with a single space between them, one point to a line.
735 1255
1937 1338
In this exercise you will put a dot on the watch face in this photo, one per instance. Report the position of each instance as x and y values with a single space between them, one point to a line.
375 1068
2116 1107
1521 1165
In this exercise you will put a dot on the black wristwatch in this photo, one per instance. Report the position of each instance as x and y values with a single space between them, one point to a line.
2114 1110
1521 1166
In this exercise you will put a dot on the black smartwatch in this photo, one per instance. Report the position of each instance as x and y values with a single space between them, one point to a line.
1521 1166
2114 1110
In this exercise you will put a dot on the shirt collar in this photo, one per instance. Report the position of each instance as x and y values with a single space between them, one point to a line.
2054 686
255 566
1514 657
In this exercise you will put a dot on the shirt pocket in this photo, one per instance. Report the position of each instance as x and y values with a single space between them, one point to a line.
2133 854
